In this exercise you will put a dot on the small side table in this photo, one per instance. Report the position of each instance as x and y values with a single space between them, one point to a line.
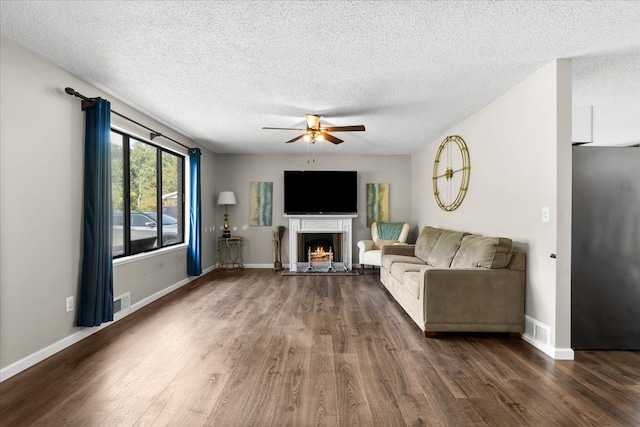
229 254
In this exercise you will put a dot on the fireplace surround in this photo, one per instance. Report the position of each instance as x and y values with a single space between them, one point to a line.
338 226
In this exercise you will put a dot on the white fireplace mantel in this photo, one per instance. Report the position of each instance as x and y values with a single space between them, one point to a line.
320 224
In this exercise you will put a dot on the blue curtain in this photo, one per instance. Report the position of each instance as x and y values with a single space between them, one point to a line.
193 252
95 304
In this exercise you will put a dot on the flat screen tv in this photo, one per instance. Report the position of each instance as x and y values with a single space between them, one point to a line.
320 192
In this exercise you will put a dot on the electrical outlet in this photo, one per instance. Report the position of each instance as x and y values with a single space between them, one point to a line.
545 214
69 304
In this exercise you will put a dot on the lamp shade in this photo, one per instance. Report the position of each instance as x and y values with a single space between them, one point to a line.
226 198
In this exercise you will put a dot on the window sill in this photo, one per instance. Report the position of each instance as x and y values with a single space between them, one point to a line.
145 255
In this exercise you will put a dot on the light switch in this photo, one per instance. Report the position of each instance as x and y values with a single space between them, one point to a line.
545 214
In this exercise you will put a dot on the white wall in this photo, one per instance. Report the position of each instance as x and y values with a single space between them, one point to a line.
41 159
520 148
234 172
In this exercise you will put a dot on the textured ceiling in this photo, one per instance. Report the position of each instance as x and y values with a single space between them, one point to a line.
408 71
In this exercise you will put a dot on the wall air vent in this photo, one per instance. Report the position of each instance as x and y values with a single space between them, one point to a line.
121 302
529 328
537 331
542 334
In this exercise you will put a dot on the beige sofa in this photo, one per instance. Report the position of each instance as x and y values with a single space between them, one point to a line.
451 281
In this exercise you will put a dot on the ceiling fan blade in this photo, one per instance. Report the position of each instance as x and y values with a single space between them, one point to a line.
332 138
357 128
264 127
295 139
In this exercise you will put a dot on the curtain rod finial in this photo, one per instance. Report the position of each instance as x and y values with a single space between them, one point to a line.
70 91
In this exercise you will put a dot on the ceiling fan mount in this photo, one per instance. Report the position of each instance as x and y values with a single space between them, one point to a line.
315 132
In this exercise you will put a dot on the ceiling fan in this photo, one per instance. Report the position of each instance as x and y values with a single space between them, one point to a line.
315 132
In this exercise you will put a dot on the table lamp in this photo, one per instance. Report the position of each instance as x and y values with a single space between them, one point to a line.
226 198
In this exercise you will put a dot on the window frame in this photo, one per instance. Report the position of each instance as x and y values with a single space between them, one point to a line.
126 189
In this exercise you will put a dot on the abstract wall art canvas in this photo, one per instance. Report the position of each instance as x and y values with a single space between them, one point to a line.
377 203
260 203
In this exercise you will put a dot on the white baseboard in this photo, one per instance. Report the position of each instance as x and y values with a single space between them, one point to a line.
30 360
258 265
563 353
544 346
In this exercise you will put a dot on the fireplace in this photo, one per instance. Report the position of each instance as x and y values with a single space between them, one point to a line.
333 232
319 246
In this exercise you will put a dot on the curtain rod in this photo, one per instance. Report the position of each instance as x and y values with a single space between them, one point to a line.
88 102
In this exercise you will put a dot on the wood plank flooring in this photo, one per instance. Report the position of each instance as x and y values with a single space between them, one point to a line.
254 348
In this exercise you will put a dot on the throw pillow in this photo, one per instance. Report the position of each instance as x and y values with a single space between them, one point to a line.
379 243
426 241
480 251
445 248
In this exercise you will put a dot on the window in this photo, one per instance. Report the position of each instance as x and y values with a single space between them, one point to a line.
147 183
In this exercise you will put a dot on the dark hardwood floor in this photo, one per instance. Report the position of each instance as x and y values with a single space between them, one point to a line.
255 348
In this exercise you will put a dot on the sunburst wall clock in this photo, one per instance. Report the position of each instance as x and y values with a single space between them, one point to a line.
451 173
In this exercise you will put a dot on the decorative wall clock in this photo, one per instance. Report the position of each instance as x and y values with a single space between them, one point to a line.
451 172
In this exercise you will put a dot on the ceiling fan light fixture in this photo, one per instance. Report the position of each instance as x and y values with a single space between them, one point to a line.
313 121
315 132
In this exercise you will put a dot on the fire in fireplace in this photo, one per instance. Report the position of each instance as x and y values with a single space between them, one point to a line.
319 246
319 254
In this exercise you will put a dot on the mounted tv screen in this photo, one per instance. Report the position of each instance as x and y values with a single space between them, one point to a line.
320 192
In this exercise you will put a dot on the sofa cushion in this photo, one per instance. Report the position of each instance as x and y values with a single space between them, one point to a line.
518 261
426 241
411 282
480 251
398 269
445 248
389 260
379 243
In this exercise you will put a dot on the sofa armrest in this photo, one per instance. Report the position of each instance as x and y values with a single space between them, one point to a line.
469 296
407 250
363 246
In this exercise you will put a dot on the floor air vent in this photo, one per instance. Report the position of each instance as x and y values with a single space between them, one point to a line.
542 334
537 330
529 328
122 302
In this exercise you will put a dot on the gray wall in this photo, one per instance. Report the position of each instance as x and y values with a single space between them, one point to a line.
41 156
605 276
234 172
520 148
41 202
